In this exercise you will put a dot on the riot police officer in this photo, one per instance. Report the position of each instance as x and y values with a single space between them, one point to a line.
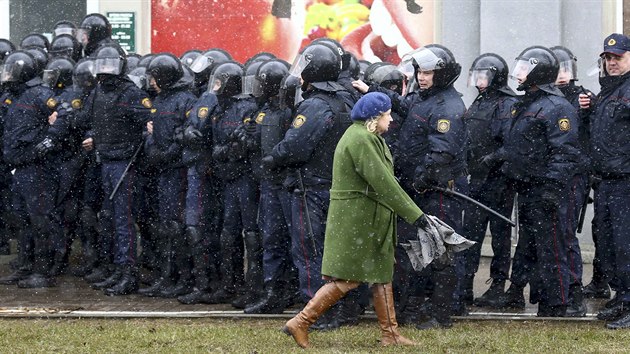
204 65
66 45
609 151
6 48
35 40
119 111
171 106
272 121
485 121
35 179
64 27
307 151
540 156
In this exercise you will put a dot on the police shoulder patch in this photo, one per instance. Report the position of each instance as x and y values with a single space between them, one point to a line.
8 101
153 110
443 125
51 103
564 124
202 112
247 120
146 102
187 113
260 117
76 103
298 121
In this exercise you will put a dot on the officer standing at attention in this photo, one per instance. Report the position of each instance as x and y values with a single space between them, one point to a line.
541 156
307 149
119 111
610 152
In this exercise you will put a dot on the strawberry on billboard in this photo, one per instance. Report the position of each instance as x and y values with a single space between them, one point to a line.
371 29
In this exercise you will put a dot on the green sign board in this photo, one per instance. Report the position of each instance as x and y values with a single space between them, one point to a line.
124 29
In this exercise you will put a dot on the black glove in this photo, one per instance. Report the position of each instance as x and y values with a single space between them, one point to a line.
250 128
220 153
192 135
268 163
44 147
178 135
422 182
422 223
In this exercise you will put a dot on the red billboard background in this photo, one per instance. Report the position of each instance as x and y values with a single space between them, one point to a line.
371 29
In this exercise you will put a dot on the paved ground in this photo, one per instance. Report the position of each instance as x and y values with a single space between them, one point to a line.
74 298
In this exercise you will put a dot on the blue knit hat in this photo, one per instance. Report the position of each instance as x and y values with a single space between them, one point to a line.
370 106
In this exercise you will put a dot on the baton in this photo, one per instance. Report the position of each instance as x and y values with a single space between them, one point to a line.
122 177
477 203
583 211
309 226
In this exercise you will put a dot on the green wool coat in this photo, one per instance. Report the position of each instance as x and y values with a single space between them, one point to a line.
364 201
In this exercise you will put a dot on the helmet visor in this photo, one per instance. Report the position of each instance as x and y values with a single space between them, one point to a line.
566 70
50 77
598 68
82 36
140 81
247 84
480 78
426 60
258 90
300 64
216 85
64 30
522 68
109 66
200 64
11 72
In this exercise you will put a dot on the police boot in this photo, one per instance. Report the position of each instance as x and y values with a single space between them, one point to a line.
24 264
88 222
545 310
615 312
622 323
110 281
99 273
254 275
127 284
445 282
199 293
324 299
185 281
40 278
467 291
493 295
5 248
597 289
512 299
412 312
231 260
60 263
383 299
350 308
166 267
577 303
274 300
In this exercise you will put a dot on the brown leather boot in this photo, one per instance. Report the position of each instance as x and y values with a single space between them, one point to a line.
383 298
324 299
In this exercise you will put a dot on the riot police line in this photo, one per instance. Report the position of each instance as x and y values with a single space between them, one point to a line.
222 172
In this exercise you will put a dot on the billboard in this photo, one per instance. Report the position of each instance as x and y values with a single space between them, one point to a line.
375 30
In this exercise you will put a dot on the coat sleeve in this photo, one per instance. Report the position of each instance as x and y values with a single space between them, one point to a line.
368 156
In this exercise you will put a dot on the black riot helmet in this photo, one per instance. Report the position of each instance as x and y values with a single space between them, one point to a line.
492 70
262 56
317 63
18 67
249 76
93 29
132 61
355 67
165 69
64 27
145 60
385 75
35 40
83 76
204 64
269 77
440 60
567 62
41 58
345 57
290 91
58 72
363 65
65 45
187 80
226 79
110 60
189 57
537 66
6 48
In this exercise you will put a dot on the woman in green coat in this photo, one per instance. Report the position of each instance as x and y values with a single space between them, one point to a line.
365 200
